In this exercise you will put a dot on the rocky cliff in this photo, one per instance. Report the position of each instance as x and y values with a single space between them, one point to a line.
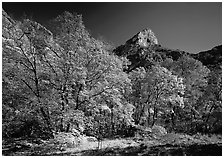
139 49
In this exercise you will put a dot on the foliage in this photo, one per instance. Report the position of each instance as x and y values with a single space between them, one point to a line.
195 77
158 90
210 104
194 74
92 77
67 77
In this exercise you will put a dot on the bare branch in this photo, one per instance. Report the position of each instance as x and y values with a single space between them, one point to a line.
50 65
54 51
101 91
27 58
29 87
21 36
93 77
26 66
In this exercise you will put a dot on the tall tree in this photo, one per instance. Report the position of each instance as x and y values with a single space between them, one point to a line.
86 76
22 60
158 88
194 77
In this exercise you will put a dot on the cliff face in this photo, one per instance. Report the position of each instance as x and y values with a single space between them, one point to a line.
13 38
17 37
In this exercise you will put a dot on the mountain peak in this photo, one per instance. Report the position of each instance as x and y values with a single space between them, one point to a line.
138 48
144 38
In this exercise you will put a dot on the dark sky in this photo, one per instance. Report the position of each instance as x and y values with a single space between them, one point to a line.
192 27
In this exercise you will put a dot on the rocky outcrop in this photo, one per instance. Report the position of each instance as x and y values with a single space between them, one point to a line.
145 38
138 48
142 40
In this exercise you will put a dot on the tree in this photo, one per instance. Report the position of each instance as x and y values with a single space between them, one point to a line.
210 104
67 76
137 77
158 88
23 71
84 74
195 78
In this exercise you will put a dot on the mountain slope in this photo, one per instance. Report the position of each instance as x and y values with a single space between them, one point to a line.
210 58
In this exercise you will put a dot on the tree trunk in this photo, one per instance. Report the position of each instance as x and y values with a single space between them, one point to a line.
173 117
148 120
61 125
68 127
112 121
154 116
47 119
206 121
80 86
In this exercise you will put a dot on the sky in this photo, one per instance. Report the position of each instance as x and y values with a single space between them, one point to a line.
189 26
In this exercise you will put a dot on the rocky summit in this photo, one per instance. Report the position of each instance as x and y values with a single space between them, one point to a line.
144 38
138 48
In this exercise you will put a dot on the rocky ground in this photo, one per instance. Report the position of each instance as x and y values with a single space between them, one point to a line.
169 144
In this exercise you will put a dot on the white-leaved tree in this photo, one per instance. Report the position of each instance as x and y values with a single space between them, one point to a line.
160 91
84 74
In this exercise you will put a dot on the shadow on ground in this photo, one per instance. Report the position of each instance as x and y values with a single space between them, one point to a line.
167 145
160 150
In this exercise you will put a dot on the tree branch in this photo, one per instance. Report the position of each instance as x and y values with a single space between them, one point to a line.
50 65
54 51
29 87
27 58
